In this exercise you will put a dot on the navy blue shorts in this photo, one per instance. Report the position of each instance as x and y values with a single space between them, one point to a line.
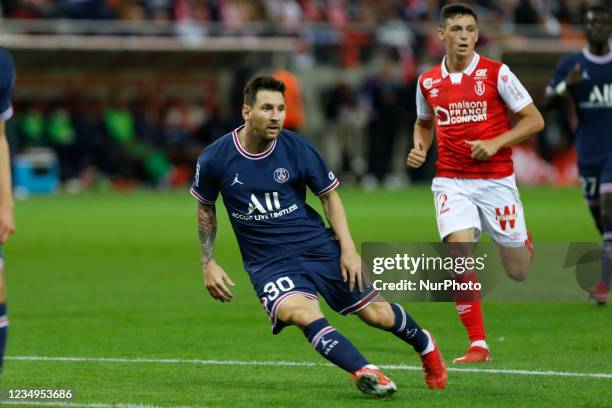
315 272
595 180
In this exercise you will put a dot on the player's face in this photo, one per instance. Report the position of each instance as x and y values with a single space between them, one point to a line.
460 35
267 115
598 28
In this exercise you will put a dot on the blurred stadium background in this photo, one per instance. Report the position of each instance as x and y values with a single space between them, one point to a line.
129 91
114 100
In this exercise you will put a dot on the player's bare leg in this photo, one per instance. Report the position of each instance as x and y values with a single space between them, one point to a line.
333 346
395 319
469 307
466 235
516 261
378 314
299 311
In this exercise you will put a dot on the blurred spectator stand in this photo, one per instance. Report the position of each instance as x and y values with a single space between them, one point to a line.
35 171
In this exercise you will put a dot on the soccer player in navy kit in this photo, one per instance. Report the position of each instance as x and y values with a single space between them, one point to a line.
7 219
262 173
587 78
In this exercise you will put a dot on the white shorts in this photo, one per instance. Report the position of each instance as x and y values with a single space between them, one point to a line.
491 205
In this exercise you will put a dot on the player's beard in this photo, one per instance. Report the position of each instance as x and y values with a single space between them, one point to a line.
260 131
265 135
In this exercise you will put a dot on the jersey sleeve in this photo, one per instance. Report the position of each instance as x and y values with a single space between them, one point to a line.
205 185
320 179
7 83
510 89
424 110
561 71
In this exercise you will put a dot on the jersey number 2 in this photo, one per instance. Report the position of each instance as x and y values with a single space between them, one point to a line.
442 203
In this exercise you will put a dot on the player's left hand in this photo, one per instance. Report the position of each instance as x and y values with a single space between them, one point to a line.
350 265
7 223
483 149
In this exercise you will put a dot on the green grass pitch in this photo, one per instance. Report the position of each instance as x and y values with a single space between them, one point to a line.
106 276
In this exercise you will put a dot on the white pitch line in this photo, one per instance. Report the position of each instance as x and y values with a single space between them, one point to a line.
82 405
547 373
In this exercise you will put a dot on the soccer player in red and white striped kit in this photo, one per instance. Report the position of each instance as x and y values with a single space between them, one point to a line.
471 99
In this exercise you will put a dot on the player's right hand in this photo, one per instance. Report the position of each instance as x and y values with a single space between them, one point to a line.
574 76
350 266
217 282
416 157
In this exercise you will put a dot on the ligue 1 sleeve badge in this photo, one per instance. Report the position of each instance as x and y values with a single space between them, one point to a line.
281 175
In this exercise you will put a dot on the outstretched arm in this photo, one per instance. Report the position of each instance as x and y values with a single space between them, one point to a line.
215 278
7 218
350 261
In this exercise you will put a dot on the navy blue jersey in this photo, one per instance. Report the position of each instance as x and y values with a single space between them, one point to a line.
265 195
593 100
7 82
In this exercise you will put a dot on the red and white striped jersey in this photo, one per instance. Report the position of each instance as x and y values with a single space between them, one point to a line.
470 105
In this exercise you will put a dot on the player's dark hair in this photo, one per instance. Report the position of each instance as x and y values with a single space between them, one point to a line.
456 9
261 83
597 8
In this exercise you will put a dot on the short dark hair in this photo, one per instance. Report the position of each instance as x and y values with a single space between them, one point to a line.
261 83
456 9
597 8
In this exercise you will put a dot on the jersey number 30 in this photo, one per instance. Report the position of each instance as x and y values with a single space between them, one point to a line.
273 289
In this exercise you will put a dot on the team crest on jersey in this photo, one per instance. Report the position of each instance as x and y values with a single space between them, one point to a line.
479 88
281 175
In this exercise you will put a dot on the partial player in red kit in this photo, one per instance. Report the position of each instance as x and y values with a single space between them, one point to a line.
471 99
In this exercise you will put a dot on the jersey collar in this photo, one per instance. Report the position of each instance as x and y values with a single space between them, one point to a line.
248 155
597 59
468 70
